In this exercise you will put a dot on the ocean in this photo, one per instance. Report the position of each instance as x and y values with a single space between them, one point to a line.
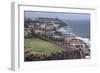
79 28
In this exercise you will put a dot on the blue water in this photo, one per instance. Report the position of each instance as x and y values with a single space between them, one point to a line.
80 28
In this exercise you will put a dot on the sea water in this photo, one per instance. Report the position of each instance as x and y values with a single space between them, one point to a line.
79 28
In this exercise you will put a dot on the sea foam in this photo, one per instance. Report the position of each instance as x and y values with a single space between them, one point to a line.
69 30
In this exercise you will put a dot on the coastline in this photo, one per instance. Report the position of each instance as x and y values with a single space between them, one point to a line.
47 29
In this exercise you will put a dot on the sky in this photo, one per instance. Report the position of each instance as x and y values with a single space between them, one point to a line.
60 15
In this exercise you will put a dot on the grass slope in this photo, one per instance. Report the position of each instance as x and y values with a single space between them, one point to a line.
41 46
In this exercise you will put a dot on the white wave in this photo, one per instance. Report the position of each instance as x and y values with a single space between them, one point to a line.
85 40
64 29
69 30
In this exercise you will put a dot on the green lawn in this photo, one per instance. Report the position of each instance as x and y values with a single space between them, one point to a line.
41 46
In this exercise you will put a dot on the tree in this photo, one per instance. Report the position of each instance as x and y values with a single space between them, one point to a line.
32 33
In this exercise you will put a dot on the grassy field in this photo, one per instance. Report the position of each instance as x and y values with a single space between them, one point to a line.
41 46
